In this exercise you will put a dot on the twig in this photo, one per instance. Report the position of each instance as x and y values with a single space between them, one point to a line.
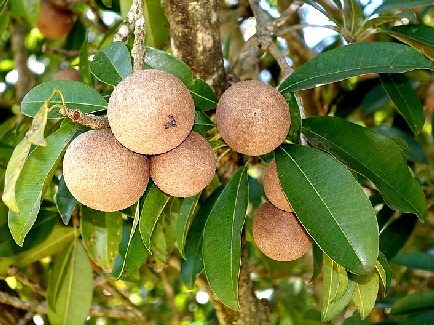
90 120
264 25
281 61
126 28
24 279
26 318
292 28
138 50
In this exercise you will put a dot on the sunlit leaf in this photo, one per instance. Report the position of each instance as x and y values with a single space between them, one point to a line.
365 293
157 26
384 271
339 305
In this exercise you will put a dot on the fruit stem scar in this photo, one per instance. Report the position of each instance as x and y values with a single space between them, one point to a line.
171 122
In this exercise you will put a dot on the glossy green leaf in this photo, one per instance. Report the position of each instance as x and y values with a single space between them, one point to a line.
203 95
417 36
37 171
415 260
192 266
154 203
222 239
417 302
65 202
339 305
335 283
77 96
112 64
424 318
202 123
294 110
185 216
74 291
365 293
384 271
396 234
401 4
157 26
101 233
344 226
372 155
400 91
354 60
25 9
318 261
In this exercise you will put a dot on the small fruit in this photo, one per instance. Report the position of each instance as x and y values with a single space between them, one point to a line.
273 190
185 170
252 118
54 22
279 234
102 174
151 112
67 74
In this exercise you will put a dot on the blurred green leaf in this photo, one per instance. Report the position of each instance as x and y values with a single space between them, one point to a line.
374 99
354 60
415 260
365 293
76 37
400 91
388 5
84 65
107 3
356 320
202 123
318 261
203 95
157 26
112 64
37 171
348 231
65 202
77 96
101 233
294 110
384 271
4 18
417 302
185 216
371 155
424 318
25 9
222 239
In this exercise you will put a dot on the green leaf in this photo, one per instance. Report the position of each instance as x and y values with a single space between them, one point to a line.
400 91
185 216
384 271
417 302
420 319
415 260
396 234
353 17
294 110
372 155
365 293
401 4
36 173
75 289
77 96
354 60
222 239
25 9
157 26
36 133
107 3
101 233
344 226
203 95
192 266
202 123
112 64
154 203
417 36
84 65
335 283
339 305
65 202
4 17
317 261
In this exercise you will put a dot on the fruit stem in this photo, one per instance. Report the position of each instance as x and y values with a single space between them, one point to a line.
89 120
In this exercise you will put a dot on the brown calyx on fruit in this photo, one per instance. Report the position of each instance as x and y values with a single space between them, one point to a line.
102 174
279 234
53 21
185 170
253 118
273 190
67 74
144 109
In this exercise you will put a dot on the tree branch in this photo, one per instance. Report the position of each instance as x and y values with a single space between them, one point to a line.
138 51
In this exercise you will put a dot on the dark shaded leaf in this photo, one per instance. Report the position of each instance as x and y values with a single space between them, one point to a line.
294 110
65 202
185 215
415 260
417 302
317 261
203 95
425 318
202 123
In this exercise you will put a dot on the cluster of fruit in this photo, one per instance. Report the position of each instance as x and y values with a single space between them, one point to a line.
151 115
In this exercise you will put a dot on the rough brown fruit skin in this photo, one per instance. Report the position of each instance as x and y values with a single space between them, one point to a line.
54 22
273 190
151 112
252 118
279 234
67 74
185 170
102 174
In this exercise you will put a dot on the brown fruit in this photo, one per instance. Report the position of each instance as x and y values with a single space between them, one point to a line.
67 74
252 118
273 190
102 174
279 234
54 22
151 112
185 170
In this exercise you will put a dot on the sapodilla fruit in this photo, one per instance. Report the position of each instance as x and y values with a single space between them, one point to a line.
185 170
54 22
273 190
252 118
67 74
150 112
102 174
279 234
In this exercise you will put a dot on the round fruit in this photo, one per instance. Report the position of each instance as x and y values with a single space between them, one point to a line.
67 74
151 112
185 170
273 190
102 174
252 118
54 22
279 234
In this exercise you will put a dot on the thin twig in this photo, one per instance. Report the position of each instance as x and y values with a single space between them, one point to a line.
24 279
26 318
281 61
93 121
